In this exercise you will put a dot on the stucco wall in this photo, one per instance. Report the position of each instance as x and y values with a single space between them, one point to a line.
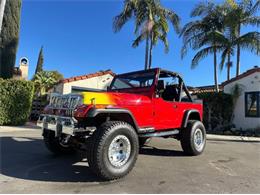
248 84
100 82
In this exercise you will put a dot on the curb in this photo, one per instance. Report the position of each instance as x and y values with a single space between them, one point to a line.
214 137
26 127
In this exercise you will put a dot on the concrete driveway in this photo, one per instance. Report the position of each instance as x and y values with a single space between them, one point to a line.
225 167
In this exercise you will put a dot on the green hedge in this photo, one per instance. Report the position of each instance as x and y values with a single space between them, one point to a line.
15 101
218 110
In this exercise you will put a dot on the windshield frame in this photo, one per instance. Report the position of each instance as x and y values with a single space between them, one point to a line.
135 72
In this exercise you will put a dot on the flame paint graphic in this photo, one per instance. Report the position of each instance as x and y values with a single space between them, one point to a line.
99 98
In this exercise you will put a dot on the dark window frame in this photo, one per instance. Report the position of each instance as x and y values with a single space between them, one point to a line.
257 104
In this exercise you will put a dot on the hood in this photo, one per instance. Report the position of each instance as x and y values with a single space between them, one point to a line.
114 98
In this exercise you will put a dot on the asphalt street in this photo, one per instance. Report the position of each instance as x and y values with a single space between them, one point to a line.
225 167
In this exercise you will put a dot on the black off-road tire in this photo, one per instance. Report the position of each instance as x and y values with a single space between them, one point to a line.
98 148
53 144
188 137
143 141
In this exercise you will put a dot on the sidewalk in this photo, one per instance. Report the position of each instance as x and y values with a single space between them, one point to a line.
27 127
215 137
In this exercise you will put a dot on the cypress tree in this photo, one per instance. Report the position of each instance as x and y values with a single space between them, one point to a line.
39 66
9 37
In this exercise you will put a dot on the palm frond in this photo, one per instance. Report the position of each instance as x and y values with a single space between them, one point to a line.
250 41
252 8
191 28
193 42
223 59
200 55
138 40
202 9
164 39
163 24
253 21
124 16
173 18
184 51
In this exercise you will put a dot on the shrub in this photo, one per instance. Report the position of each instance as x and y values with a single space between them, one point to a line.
15 101
218 110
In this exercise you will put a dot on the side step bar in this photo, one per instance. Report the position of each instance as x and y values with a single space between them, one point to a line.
160 134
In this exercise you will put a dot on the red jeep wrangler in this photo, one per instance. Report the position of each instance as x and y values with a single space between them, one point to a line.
111 125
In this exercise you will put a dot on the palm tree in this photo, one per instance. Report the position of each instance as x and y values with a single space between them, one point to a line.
239 15
157 32
227 46
43 81
202 34
150 23
249 41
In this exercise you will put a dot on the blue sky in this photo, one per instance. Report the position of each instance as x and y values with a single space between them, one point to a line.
78 39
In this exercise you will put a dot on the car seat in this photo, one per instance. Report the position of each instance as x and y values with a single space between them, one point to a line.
170 93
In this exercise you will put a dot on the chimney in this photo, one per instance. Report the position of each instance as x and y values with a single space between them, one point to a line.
24 67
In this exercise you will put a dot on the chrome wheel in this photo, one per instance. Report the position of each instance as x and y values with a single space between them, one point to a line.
198 139
119 151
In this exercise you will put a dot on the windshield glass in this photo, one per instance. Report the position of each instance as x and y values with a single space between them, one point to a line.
134 80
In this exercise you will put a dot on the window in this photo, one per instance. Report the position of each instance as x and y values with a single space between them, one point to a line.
133 80
252 104
171 88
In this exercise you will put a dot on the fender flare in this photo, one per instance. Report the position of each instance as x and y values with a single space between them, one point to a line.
94 112
187 115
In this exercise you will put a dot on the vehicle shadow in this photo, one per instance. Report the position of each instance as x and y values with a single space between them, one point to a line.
153 151
28 158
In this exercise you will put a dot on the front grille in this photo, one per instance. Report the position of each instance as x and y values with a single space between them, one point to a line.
66 104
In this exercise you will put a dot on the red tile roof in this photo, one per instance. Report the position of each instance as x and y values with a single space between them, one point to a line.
87 76
204 89
243 75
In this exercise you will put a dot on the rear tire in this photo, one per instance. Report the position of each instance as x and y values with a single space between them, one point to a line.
193 138
114 150
53 143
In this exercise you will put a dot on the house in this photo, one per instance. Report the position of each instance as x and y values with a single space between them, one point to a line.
21 72
247 105
90 82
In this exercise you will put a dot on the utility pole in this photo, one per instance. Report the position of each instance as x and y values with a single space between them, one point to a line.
2 9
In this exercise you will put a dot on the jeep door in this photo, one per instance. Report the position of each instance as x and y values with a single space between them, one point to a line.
165 114
165 102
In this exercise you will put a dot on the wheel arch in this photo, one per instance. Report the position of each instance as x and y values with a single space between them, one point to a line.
190 115
114 114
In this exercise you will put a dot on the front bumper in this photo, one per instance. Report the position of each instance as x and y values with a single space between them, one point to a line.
58 124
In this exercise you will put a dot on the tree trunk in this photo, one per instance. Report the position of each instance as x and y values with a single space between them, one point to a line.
238 53
216 70
146 51
228 67
2 9
238 60
150 51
